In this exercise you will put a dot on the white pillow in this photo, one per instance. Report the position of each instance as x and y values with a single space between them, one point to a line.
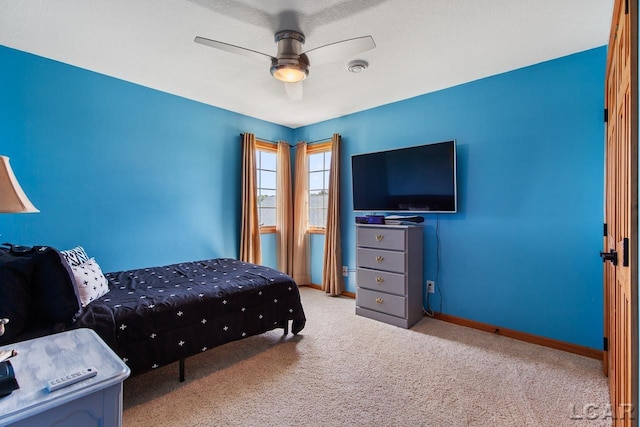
75 256
90 281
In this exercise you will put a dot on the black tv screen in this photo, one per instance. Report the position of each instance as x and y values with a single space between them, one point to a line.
414 179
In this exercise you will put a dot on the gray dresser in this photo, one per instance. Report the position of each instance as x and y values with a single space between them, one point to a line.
389 273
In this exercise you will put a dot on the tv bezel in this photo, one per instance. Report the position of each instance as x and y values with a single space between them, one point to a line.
455 179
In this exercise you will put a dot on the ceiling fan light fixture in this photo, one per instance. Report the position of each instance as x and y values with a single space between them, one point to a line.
290 73
290 65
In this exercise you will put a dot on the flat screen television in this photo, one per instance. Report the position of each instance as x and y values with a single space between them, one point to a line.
416 179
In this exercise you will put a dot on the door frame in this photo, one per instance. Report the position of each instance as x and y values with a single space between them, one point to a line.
631 7
633 259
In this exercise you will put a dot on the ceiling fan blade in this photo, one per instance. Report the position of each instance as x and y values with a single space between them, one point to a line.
294 91
339 50
234 49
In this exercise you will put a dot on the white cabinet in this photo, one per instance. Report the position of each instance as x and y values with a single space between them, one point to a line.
389 273
95 401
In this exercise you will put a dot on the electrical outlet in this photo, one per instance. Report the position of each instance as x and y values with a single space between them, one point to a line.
345 271
431 286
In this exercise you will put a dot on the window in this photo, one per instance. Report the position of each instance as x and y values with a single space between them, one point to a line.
266 183
319 171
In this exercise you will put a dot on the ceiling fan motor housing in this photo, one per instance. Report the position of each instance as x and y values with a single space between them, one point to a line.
289 57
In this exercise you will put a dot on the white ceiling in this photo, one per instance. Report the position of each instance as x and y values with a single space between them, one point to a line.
422 45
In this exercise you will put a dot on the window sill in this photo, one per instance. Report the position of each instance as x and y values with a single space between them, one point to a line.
271 229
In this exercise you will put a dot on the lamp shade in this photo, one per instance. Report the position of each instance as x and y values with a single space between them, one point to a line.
12 198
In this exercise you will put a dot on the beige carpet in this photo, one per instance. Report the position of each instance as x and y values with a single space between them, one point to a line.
348 370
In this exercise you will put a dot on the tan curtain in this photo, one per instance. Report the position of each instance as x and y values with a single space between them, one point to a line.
284 210
250 230
332 282
301 270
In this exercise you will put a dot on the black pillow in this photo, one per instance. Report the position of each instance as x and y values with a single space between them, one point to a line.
53 287
16 303
37 289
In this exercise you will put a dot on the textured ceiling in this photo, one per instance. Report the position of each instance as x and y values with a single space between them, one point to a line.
422 45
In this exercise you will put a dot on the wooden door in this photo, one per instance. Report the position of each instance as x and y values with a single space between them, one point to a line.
621 195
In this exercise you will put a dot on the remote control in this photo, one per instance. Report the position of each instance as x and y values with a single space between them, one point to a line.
73 378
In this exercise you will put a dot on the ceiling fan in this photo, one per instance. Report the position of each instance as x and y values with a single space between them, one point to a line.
290 64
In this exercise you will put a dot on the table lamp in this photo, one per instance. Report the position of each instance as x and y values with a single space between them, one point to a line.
12 200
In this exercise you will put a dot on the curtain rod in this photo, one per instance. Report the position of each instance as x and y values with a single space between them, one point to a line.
290 145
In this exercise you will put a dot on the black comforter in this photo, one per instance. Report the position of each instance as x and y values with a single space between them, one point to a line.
155 316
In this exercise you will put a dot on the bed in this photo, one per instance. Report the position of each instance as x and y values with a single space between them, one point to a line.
152 316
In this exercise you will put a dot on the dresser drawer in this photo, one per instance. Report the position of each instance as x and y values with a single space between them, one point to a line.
383 238
381 260
379 301
381 281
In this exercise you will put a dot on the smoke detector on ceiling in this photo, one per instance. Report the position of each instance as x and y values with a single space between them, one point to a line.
357 66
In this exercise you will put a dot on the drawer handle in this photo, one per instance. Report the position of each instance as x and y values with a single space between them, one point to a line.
379 258
379 300
379 279
379 237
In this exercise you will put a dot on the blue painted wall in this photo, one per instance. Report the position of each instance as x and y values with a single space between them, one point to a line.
522 252
268 250
316 246
137 176
140 177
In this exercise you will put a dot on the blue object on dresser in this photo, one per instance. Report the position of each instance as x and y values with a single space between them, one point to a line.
8 381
